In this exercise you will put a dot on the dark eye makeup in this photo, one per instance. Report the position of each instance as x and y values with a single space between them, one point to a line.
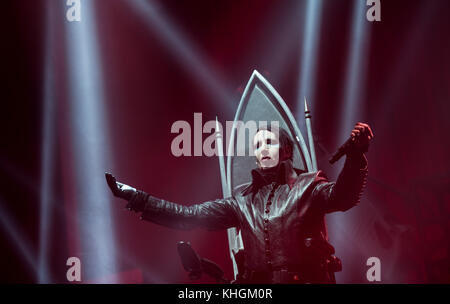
268 142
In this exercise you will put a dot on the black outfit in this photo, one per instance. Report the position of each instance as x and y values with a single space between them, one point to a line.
281 213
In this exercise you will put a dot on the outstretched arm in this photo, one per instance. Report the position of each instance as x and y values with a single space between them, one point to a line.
211 215
347 190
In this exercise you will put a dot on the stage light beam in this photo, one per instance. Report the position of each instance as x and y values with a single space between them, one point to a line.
187 54
342 226
47 147
17 238
91 148
309 55
356 71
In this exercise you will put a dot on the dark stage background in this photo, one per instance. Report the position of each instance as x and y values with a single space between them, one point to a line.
82 98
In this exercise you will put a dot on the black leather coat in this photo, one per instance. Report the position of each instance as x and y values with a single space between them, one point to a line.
275 218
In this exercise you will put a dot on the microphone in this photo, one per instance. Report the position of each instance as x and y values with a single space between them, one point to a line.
341 151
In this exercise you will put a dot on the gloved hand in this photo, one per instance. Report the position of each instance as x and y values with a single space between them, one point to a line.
118 189
361 136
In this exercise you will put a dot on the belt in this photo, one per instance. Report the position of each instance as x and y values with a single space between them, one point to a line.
275 277
284 277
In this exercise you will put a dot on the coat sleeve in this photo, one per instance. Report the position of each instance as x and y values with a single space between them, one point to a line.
346 192
211 215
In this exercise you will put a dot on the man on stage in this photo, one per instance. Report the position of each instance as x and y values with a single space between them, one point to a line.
281 213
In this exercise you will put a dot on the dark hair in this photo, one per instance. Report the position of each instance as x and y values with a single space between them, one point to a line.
286 142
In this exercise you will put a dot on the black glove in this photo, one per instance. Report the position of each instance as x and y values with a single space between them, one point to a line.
361 136
118 189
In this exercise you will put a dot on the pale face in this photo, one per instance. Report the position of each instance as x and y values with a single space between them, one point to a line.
267 149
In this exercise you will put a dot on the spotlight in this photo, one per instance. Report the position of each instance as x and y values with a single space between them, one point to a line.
89 140
190 57
309 55
17 237
47 146
356 71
